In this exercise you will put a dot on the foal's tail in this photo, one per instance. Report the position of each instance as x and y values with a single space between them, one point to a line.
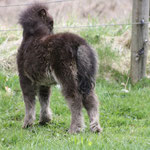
87 68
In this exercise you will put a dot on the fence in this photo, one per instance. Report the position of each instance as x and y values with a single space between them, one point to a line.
139 46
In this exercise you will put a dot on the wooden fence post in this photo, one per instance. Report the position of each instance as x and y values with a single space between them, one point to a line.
139 43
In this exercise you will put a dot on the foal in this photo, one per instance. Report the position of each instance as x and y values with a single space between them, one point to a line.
45 59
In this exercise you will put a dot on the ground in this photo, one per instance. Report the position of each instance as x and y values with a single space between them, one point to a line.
123 116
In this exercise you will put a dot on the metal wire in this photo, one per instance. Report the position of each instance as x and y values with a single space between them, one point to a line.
100 25
87 26
54 1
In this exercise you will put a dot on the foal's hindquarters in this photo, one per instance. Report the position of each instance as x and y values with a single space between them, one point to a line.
76 100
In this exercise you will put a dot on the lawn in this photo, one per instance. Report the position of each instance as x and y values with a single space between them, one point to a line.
124 109
125 118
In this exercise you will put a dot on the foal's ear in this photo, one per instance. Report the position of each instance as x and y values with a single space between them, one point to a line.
42 13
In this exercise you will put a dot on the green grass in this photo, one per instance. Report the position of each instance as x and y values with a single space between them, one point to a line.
125 117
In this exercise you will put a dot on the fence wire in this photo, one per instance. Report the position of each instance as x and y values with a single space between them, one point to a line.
85 26
27 4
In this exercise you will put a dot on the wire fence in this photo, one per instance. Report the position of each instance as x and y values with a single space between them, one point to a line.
69 27
85 26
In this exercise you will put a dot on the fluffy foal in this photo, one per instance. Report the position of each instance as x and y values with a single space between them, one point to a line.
45 59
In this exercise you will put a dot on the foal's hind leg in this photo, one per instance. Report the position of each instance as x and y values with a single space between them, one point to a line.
65 75
45 113
28 91
75 104
90 103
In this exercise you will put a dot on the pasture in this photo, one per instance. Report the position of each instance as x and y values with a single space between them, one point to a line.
124 108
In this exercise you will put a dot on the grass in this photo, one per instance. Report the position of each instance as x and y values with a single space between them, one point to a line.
125 116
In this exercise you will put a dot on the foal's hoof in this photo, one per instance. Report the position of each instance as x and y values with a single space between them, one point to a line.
27 124
43 122
77 129
45 119
95 127
74 131
97 130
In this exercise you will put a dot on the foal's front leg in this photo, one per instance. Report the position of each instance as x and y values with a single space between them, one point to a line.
28 91
45 113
